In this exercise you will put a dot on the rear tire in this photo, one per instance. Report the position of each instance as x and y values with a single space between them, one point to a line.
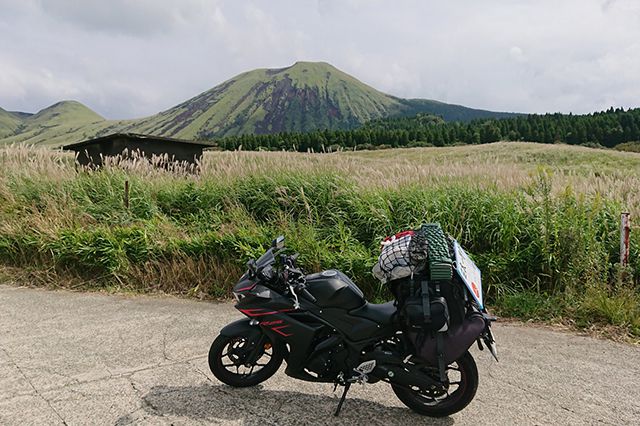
446 404
227 361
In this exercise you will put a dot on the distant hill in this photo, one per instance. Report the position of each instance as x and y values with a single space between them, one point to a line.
303 97
61 123
21 115
449 112
9 123
66 113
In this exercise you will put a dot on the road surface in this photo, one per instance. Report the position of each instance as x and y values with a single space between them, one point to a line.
90 358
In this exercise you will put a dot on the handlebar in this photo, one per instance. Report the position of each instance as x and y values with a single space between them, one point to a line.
290 277
294 278
308 295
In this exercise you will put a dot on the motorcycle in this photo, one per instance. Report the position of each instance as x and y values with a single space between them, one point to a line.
327 332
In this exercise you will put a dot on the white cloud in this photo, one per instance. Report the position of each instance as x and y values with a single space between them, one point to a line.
134 58
137 18
40 83
517 54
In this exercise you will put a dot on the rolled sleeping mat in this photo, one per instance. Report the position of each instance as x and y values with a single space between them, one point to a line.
440 263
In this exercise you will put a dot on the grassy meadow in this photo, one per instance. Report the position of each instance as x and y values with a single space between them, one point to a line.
542 221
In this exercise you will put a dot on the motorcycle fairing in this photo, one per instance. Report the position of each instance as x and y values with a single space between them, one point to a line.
301 329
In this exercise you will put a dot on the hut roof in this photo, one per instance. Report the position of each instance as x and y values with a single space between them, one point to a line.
133 136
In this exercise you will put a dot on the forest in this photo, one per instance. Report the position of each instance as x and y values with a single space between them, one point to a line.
601 129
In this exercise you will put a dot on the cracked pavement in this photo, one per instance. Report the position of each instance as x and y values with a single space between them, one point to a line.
90 358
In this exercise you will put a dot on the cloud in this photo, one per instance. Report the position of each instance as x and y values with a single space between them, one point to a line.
41 84
517 54
134 58
137 18
607 4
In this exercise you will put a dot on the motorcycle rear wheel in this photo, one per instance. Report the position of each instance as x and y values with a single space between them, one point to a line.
440 404
227 361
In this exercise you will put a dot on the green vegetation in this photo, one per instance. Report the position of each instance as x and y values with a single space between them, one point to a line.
9 123
69 113
604 129
633 146
312 106
61 123
303 97
547 244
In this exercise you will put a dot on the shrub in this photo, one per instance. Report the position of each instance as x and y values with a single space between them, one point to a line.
543 252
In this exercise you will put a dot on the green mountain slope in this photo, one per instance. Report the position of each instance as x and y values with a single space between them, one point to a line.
303 97
450 112
61 123
9 123
68 113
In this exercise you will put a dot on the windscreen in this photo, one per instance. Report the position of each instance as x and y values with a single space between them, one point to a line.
266 259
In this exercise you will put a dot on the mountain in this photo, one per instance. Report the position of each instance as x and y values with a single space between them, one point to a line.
66 113
449 112
20 114
9 123
303 97
61 123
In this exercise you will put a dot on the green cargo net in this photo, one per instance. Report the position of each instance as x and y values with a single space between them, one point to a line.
440 263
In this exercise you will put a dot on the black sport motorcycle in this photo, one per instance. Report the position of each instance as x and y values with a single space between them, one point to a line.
326 331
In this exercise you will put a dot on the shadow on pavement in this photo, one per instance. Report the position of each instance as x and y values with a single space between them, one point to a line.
219 403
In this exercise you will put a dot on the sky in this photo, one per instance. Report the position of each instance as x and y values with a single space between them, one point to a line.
133 58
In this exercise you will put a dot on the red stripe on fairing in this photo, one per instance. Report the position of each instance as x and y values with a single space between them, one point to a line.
251 313
282 333
246 288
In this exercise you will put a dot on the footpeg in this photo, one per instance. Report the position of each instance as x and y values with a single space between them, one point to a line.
362 372
366 367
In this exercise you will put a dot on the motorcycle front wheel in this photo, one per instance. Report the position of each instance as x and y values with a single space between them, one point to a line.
230 360
463 383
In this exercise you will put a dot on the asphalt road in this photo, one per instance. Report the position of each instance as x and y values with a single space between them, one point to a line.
88 358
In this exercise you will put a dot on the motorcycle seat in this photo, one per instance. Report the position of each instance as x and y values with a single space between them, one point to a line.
379 313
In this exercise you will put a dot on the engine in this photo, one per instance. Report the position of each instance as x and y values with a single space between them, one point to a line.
329 357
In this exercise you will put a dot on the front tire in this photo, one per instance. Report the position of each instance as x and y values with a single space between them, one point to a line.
229 355
444 403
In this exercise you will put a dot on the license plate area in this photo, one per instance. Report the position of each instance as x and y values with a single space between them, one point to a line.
469 273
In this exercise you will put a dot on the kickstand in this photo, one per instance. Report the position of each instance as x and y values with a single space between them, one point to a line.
344 395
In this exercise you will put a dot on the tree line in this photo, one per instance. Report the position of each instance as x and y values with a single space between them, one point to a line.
607 128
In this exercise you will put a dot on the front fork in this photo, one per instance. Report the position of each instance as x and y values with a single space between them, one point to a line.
256 339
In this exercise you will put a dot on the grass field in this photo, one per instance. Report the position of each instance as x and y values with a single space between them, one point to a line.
541 221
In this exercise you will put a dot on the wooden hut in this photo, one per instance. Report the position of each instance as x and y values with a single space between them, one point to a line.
91 152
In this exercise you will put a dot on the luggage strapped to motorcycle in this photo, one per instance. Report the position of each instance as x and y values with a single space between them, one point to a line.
422 256
440 267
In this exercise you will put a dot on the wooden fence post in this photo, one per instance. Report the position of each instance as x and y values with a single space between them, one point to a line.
126 194
625 229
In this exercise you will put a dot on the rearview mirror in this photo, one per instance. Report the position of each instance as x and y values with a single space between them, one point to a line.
251 265
278 243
